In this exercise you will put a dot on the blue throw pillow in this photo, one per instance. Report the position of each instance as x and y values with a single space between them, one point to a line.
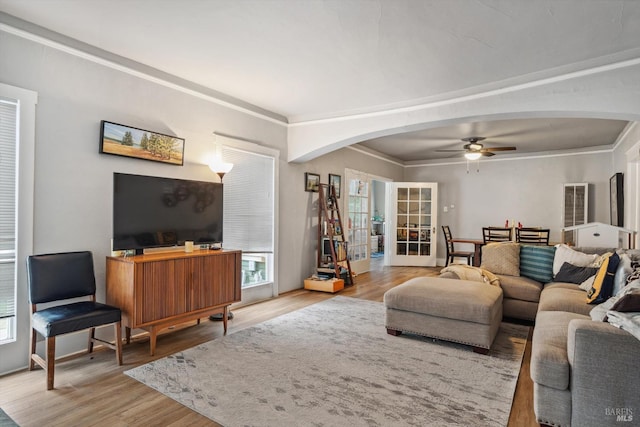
536 262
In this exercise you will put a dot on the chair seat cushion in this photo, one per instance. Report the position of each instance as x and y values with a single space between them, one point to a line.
72 317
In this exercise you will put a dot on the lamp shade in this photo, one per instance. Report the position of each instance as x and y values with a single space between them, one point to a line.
472 155
219 166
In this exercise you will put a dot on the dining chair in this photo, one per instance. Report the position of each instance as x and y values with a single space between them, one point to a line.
497 234
532 236
54 279
451 252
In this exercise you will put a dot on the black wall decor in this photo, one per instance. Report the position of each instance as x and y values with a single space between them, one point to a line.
616 188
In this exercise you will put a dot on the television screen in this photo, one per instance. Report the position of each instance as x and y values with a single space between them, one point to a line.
151 211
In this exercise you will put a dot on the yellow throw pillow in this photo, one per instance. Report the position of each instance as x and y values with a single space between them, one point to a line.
603 283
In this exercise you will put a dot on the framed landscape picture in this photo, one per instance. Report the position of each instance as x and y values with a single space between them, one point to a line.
336 181
311 182
127 141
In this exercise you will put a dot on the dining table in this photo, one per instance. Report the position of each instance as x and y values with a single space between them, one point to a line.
477 245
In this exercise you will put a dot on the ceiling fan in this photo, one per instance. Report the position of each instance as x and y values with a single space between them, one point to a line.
473 149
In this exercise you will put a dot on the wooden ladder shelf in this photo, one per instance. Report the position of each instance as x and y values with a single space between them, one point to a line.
333 254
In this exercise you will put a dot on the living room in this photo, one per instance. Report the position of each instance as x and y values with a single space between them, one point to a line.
77 85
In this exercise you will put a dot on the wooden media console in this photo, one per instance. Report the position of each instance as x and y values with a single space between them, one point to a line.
156 291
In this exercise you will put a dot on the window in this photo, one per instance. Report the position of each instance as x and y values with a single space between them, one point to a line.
249 213
8 158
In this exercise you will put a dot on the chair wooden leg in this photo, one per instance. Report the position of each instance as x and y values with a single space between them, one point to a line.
51 360
32 349
92 336
118 333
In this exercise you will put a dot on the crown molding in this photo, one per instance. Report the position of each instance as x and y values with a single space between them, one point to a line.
29 31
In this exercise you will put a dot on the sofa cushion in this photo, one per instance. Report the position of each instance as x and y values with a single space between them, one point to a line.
549 360
603 284
501 258
567 299
566 254
520 287
536 262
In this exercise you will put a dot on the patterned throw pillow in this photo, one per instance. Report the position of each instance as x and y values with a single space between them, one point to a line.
635 274
536 262
501 258
603 284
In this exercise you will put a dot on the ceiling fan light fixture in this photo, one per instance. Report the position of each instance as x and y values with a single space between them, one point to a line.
475 146
472 155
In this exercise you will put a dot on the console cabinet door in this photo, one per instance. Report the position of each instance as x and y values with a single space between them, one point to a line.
208 278
163 290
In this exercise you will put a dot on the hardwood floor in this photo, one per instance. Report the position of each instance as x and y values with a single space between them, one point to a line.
90 390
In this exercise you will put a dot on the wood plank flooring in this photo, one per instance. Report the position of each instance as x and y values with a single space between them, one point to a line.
90 390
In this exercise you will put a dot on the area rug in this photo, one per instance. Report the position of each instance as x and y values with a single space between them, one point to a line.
333 364
5 420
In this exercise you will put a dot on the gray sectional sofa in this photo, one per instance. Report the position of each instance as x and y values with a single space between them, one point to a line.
585 372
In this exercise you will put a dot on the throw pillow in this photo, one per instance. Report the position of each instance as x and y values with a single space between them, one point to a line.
603 283
536 262
600 259
570 273
626 303
565 254
502 258
587 284
624 270
635 274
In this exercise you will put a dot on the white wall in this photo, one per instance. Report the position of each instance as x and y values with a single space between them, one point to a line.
299 209
529 190
626 159
73 182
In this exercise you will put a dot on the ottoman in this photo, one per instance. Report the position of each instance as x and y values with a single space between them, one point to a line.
449 309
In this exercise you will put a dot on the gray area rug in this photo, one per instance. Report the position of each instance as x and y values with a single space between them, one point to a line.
333 364
5 420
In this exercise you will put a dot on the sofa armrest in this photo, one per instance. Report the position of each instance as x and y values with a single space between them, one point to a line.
605 379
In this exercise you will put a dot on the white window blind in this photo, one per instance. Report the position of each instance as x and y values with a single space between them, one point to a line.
249 201
8 146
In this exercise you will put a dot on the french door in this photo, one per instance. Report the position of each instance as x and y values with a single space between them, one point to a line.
412 223
357 222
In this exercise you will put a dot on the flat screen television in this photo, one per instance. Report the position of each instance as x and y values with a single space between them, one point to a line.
150 211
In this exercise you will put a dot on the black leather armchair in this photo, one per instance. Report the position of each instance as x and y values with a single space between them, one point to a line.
63 276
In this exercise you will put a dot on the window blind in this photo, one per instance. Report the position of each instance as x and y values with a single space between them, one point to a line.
8 150
249 201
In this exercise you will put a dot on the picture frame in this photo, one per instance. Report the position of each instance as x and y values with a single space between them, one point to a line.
127 141
616 192
311 182
336 181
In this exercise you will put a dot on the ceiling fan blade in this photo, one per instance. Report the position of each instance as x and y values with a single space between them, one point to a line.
499 149
487 153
